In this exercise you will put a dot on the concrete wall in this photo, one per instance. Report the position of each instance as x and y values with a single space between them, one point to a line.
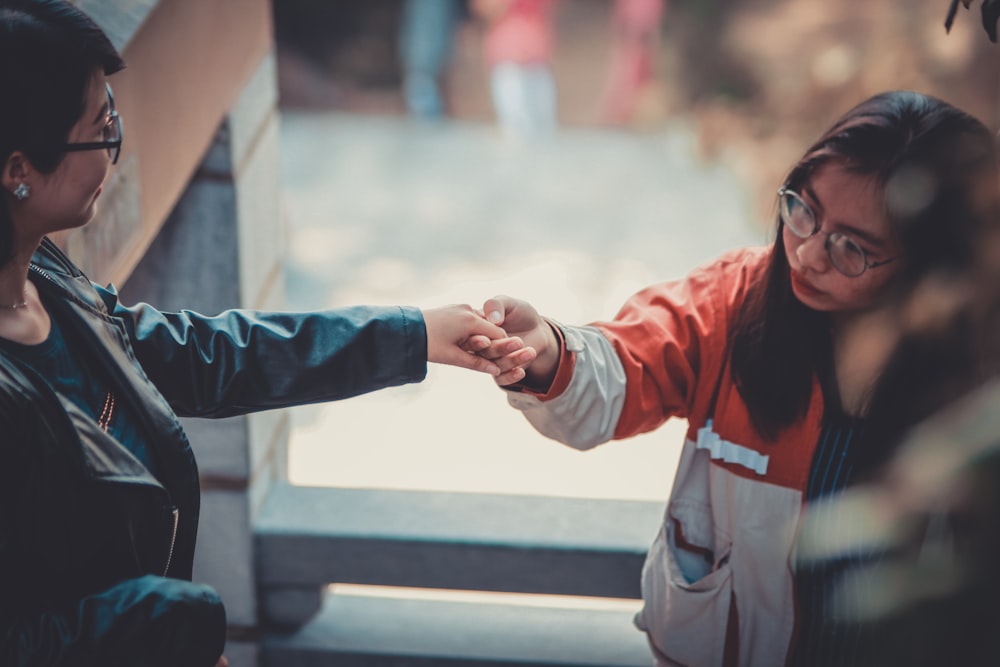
188 63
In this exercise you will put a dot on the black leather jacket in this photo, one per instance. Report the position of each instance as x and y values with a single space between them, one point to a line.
95 553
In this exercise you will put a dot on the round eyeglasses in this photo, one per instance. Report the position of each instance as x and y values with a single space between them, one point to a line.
112 133
845 254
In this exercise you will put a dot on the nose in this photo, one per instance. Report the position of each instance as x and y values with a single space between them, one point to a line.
811 253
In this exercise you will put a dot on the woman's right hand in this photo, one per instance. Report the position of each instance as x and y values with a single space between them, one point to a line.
520 319
222 662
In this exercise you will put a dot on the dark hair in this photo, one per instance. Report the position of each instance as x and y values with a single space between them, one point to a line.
49 49
938 362
912 146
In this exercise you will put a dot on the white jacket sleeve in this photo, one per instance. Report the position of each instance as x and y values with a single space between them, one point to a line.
586 413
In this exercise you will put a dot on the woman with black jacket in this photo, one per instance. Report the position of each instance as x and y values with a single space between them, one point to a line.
99 491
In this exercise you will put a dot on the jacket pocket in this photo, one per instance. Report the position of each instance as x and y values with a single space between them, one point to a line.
687 587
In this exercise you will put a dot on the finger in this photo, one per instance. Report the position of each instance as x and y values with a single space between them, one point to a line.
512 376
472 322
478 326
473 362
478 344
505 346
498 348
520 358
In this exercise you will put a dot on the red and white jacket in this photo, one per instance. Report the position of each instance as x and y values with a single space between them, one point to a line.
718 580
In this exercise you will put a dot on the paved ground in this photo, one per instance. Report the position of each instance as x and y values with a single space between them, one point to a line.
384 210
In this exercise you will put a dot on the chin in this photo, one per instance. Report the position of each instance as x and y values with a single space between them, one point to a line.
812 301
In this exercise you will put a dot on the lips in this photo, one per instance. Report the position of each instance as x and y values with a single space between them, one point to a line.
803 286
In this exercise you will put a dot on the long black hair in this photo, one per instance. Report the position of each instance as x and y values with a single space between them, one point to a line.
49 49
778 344
944 352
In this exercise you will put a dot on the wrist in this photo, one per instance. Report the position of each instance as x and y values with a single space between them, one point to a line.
540 373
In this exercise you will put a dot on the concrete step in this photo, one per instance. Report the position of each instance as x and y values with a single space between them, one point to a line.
308 537
363 630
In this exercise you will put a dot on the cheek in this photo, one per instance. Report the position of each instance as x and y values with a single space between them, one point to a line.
79 171
89 176
790 241
97 168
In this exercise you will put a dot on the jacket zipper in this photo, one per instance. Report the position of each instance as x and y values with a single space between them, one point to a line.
173 538
43 273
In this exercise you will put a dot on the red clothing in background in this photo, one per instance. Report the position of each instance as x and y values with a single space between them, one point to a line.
522 34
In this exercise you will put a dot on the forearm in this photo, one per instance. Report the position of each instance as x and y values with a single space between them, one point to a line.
241 361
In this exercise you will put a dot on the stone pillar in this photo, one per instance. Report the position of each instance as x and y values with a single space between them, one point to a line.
222 247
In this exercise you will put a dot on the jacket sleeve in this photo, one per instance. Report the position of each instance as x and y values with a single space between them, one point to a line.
664 349
146 622
241 361
670 340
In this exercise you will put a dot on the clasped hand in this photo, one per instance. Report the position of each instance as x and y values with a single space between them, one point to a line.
507 339
462 336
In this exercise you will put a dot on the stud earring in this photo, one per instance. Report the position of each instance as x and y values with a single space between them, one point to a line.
22 191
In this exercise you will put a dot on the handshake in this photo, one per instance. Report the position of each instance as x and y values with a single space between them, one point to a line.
507 339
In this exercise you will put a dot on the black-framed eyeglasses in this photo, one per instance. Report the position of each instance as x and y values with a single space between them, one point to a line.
845 254
112 133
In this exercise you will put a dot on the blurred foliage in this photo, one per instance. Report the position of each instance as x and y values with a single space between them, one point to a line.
935 513
990 15
762 78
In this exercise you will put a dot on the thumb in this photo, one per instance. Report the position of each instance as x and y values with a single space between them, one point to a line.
495 309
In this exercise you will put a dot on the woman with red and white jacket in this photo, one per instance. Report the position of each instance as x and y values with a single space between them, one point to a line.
777 358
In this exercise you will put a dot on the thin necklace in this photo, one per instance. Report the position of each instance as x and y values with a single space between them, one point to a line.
20 304
104 421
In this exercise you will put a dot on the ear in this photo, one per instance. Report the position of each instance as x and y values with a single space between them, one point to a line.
16 170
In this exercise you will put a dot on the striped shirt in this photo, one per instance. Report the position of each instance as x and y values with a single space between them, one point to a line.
822 638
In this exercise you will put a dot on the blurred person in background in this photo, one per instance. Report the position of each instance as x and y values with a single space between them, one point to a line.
635 42
426 39
99 490
777 357
518 48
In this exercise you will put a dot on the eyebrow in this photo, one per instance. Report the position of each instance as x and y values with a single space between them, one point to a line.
865 236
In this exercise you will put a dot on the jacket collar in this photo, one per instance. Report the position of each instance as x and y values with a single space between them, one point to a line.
52 265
